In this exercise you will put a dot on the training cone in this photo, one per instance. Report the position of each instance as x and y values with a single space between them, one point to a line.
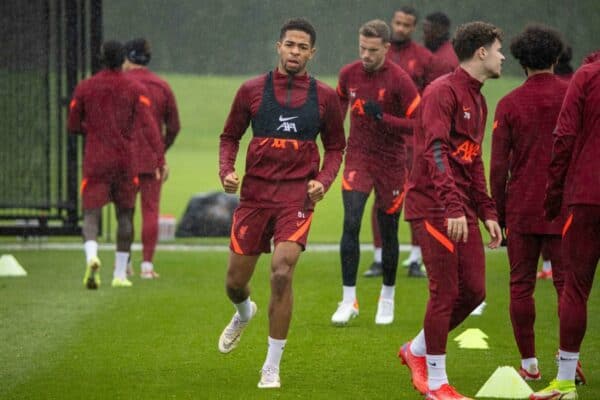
505 383
472 338
9 266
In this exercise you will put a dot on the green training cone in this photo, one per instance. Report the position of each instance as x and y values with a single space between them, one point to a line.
505 383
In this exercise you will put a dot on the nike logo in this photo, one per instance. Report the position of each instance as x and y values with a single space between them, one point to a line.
466 109
281 119
433 364
299 224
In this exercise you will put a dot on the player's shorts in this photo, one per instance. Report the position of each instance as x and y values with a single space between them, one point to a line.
387 181
253 228
119 189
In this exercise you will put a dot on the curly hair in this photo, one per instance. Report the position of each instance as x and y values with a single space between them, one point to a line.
537 47
473 35
299 24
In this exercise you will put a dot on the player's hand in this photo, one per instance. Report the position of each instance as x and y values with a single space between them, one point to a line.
495 233
316 191
373 109
162 173
552 206
458 229
231 182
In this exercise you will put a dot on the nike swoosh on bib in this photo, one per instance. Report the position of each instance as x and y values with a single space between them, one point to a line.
281 119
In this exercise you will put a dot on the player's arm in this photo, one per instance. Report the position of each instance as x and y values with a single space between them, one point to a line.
229 141
171 119
501 150
75 124
333 139
565 133
342 92
145 124
437 113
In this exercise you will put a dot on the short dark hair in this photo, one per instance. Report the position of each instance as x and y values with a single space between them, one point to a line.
537 47
299 24
410 10
112 54
473 35
440 19
138 51
376 28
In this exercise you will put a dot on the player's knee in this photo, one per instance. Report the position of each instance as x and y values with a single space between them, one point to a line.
351 224
281 281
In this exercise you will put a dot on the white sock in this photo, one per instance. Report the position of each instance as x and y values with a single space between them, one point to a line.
436 371
528 363
546 265
349 294
387 292
418 346
567 365
147 266
274 352
415 254
121 258
377 254
91 249
244 309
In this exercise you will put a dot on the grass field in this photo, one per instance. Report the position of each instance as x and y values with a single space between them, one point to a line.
158 339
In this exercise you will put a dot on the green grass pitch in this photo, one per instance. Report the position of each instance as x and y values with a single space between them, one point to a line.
158 340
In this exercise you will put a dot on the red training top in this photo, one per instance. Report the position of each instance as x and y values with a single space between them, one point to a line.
444 59
111 110
448 180
164 111
371 140
521 151
575 164
416 60
273 165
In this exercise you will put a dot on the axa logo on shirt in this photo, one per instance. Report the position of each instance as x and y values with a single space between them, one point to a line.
467 150
287 126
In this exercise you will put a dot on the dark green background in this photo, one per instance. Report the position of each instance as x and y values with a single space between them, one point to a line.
238 36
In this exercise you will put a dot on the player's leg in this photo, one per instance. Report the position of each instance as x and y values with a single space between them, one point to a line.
388 226
389 195
94 195
523 255
375 269
124 240
91 222
440 257
150 200
354 205
123 193
290 236
547 252
250 235
471 275
580 255
551 244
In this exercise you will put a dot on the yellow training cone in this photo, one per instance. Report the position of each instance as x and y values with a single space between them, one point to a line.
9 266
472 338
505 383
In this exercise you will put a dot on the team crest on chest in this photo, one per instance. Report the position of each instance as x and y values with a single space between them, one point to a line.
352 92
